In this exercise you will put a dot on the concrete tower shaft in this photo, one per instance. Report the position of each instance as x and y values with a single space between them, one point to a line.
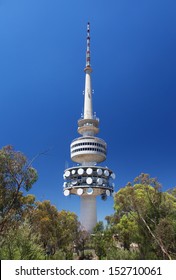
88 108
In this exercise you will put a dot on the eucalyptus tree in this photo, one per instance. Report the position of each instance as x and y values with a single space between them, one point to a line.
152 214
16 175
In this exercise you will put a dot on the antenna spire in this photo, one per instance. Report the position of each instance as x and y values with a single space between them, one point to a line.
88 111
88 46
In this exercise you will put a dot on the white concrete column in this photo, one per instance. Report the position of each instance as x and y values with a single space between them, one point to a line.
88 214
88 111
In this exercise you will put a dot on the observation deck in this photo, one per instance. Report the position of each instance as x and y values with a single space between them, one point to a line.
88 149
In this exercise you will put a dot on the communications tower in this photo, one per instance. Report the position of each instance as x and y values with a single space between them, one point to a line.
87 179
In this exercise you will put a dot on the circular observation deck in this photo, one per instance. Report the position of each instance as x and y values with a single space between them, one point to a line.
88 149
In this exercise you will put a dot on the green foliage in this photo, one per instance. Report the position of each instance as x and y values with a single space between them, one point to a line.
99 228
68 227
101 240
58 230
127 229
115 253
44 220
21 244
88 255
59 255
146 180
15 174
152 214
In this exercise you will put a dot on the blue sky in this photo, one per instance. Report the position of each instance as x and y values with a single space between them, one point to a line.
42 57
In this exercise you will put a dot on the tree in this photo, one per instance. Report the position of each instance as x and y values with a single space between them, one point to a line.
44 220
16 174
98 240
81 242
68 231
148 206
21 244
127 229
58 229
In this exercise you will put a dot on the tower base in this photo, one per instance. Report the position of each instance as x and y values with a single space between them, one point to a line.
88 215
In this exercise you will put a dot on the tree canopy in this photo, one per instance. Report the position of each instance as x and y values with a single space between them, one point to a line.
149 215
16 174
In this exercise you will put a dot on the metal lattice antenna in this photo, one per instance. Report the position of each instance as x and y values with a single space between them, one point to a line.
88 46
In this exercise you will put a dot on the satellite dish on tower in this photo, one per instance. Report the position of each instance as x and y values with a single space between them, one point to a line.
99 171
73 171
89 180
66 192
106 172
90 191
99 181
104 196
65 184
79 191
74 182
80 171
113 176
67 173
108 193
89 171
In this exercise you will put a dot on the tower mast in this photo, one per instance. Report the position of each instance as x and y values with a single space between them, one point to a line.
87 179
88 111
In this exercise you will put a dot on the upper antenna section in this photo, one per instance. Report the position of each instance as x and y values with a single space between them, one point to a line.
88 48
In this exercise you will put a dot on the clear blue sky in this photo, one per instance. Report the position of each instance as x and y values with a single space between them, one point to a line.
133 55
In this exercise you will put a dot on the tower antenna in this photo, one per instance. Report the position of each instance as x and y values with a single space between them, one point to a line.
88 46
